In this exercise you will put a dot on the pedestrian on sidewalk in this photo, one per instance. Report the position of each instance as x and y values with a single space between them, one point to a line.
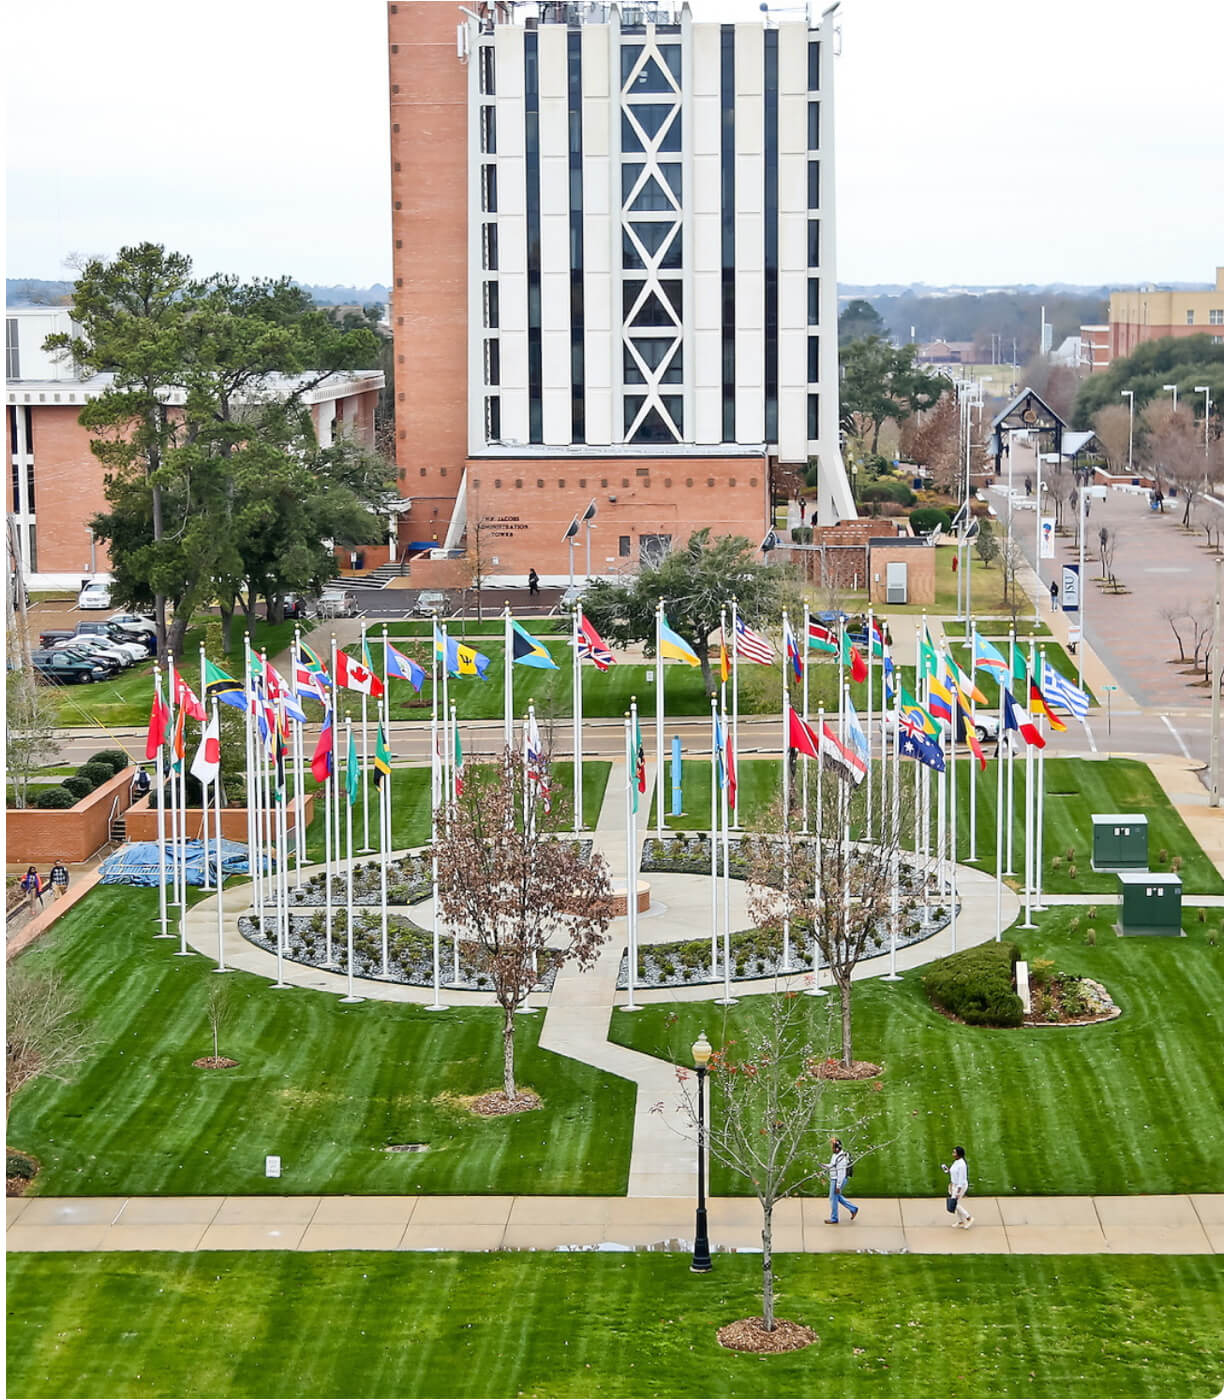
958 1188
1053 595
58 876
1028 485
533 584
802 511
839 1169
32 884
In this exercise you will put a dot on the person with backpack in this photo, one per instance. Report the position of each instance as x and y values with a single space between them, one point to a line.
839 1169
33 885
958 1188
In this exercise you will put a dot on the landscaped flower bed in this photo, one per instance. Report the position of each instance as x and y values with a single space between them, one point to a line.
409 880
409 950
1063 999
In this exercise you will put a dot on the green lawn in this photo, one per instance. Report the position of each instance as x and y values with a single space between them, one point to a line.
987 586
1128 1106
462 627
386 1324
326 1086
1075 789
996 627
760 791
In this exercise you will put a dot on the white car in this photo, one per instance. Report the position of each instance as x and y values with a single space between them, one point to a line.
125 653
135 622
94 595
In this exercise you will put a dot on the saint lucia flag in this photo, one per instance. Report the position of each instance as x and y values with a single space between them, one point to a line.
526 651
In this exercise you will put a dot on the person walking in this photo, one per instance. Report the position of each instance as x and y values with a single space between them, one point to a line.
58 876
140 785
958 1188
533 584
1053 595
31 883
838 1169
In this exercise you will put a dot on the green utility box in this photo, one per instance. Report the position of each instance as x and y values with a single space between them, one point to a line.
1119 842
1149 904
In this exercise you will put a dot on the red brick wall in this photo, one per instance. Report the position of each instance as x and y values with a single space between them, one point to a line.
920 574
429 260
142 820
75 833
67 491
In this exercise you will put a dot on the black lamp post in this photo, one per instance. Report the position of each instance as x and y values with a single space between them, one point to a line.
702 1049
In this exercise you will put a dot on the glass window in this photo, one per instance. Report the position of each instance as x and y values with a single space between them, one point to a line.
813 126
1215 317
623 544
492 307
813 352
814 67
489 246
813 301
492 418
813 416
488 129
813 184
12 349
813 242
653 351
1189 318
492 362
654 428
487 69
488 189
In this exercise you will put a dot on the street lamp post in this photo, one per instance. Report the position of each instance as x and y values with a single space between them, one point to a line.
1171 389
1206 390
1129 394
702 1264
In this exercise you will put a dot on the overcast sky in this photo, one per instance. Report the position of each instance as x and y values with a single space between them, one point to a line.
1055 140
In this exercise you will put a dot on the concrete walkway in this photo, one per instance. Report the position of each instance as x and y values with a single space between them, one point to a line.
1002 1225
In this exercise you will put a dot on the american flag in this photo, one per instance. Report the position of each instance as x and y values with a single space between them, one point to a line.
751 646
591 646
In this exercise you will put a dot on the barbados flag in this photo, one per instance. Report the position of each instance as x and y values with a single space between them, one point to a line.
673 647
526 651
458 659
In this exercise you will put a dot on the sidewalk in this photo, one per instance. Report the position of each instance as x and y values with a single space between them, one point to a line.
1002 1225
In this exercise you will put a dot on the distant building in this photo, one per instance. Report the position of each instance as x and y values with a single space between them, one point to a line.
1094 347
947 352
56 481
1148 313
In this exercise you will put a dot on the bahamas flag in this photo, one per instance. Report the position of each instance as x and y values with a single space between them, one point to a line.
219 686
673 647
526 651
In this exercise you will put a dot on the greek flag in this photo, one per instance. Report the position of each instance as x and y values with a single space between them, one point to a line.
1059 691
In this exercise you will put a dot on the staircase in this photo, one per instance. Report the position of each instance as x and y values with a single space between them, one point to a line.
374 580
117 833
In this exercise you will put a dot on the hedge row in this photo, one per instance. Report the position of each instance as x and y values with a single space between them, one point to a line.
100 769
978 985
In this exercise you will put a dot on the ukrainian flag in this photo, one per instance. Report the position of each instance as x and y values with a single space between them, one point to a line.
526 651
673 647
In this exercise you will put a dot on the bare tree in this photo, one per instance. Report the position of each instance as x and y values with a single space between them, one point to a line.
1060 487
765 1123
932 439
517 892
1107 543
1177 616
1112 426
476 561
44 1040
217 1009
1011 557
1202 630
29 732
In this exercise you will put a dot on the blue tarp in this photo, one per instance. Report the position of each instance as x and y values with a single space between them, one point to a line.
137 864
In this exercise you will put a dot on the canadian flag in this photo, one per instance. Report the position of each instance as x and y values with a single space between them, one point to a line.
353 675
207 763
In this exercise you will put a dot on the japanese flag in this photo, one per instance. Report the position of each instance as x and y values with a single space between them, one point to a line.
206 765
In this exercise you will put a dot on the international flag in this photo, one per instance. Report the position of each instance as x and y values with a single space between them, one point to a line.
941 699
206 765
988 656
1060 691
852 657
928 657
965 684
639 763
403 668
750 645
916 744
1037 704
1019 670
920 720
382 759
458 659
591 646
821 638
321 764
793 654
890 680
970 732
855 736
178 749
1016 717
357 675
727 777
219 686
458 764
159 723
352 772
840 757
278 690
802 736
537 769
724 658
526 651
311 674
673 647
185 699
876 638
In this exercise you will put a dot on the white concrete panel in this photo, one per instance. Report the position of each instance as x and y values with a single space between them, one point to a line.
792 57
554 125
749 358
792 359
514 417
596 254
596 185
554 79
749 126
558 415
511 188
512 307
596 126
708 410
749 187
707 125
792 183
792 122
707 306
749 61
792 299
508 40
792 425
707 58
749 243
749 414
511 248
707 353
595 40
705 191
554 185
511 132
514 360
792 245
554 302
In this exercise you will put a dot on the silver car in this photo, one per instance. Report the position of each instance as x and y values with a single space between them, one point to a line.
337 602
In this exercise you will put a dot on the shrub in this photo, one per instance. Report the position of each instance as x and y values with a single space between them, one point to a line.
1090 938
926 518
1072 871
55 797
801 534
1175 864
1201 915
1092 911
1070 853
97 773
1074 924
116 758
1164 855
977 985
1039 972
78 787
20 1167
1056 863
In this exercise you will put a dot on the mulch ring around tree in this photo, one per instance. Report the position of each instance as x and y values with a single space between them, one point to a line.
749 1334
22 1169
834 1069
498 1103
214 1062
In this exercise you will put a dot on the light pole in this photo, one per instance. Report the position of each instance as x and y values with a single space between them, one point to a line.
1130 431
702 1264
1206 390
1171 389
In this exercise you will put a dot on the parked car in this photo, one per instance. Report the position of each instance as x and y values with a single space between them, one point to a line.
295 607
431 602
126 653
100 655
54 635
66 668
337 602
137 644
136 622
94 595
570 599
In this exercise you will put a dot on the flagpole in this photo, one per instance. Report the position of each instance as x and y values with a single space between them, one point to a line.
630 865
207 883
892 974
161 810
175 850
659 706
1039 844
958 716
252 863
351 995
279 829
365 754
870 700
220 967
713 837
727 998
999 822
807 666
328 844
975 770
434 790
299 765
281 814
577 706
267 761
1011 765
390 784
445 757
384 845
1028 795
508 678
735 821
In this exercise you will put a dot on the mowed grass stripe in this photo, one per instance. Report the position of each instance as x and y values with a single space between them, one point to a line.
325 1086
386 1324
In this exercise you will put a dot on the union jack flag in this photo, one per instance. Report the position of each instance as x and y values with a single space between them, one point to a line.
591 646
751 646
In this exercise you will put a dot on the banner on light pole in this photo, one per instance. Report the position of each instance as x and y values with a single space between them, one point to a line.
1070 596
1047 537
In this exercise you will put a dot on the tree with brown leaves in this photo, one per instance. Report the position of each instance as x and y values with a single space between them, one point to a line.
43 1038
515 892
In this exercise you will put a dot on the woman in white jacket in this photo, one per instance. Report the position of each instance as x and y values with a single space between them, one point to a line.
958 1186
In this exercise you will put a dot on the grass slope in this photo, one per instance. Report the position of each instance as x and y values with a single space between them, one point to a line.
384 1324
324 1085
1128 1106
760 791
